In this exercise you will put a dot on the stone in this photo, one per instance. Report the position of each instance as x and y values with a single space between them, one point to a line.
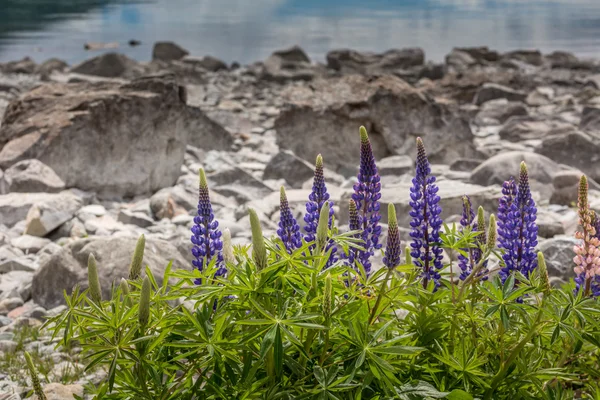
58 391
558 253
233 181
8 346
549 225
481 54
540 96
137 219
395 165
7 305
32 176
520 128
590 119
168 51
109 65
533 57
460 60
45 216
493 91
8 252
498 111
17 264
171 202
49 66
290 64
566 187
285 165
23 66
499 168
575 149
209 63
68 267
16 284
465 164
352 62
110 138
326 120
566 60
103 226
14 207
30 244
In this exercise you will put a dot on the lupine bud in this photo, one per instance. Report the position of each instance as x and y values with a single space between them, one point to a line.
366 195
323 229
144 307
135 268
93 280
391 259
125 291
289 230
543 272
481 225
259 250
466 263
426 222
228 255
407 256
491 239
327 297
35 380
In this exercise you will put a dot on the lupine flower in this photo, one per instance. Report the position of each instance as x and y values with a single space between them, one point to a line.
518 232
466 262
426 222
289 230
316 199
587 254
509 192
135 268
391 259
144 306
543 269
206 236
35 380
259 250
367 195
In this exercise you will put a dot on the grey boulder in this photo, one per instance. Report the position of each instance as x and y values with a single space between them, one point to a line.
32 176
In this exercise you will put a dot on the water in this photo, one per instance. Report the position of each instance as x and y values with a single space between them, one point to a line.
249 30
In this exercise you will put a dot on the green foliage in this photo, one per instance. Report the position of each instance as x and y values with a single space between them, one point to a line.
279 326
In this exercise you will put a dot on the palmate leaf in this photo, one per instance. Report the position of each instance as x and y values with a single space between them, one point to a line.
419 390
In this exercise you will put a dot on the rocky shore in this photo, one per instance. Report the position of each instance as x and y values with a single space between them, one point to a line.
96 154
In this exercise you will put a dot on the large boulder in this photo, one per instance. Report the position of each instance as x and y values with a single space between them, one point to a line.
109 65
290 64
519 128
286 165
352 61
14 207
493 91
32 176
64 269
325 118
499 168
168 51
45 216
114 139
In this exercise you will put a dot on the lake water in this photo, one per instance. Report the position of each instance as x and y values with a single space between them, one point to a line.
249 30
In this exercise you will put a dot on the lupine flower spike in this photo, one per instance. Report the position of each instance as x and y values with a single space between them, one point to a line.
37 386
426 222
466 263
517 230
353 225
93 280
367 195
323 231
289 230
543 271
587 254
259 250
144 306
206 236
135 268
391 258
316 200
228 255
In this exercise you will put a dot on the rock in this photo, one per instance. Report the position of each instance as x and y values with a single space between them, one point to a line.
499 168
288 65
114 139
209 63
9 253
593 81
540 96
575 149
285 165
233 181
460 60
558 253
17 264
30 244
109 65
566 60
170 202
49 66
518 129
14 207
58 391
590 119
137 219
566 187
72 228
168 51
325 119
549 225
498 111
3 185
395 165
354 62
16 284
7 305
24 66
62 270
8 346
480 54
465 164
32 176
492 91
533 57
47 215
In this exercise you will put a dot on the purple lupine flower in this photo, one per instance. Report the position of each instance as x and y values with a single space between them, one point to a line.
316 199
289 230
517 230
466 263
426 222
366 195
206 237
391 258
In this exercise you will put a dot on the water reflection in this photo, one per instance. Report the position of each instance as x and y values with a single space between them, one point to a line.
246 31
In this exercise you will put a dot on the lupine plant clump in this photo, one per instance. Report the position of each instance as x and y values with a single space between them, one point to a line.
281 318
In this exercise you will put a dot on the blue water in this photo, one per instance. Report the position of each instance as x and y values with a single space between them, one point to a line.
249 30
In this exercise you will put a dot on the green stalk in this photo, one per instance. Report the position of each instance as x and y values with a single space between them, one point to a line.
380 296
